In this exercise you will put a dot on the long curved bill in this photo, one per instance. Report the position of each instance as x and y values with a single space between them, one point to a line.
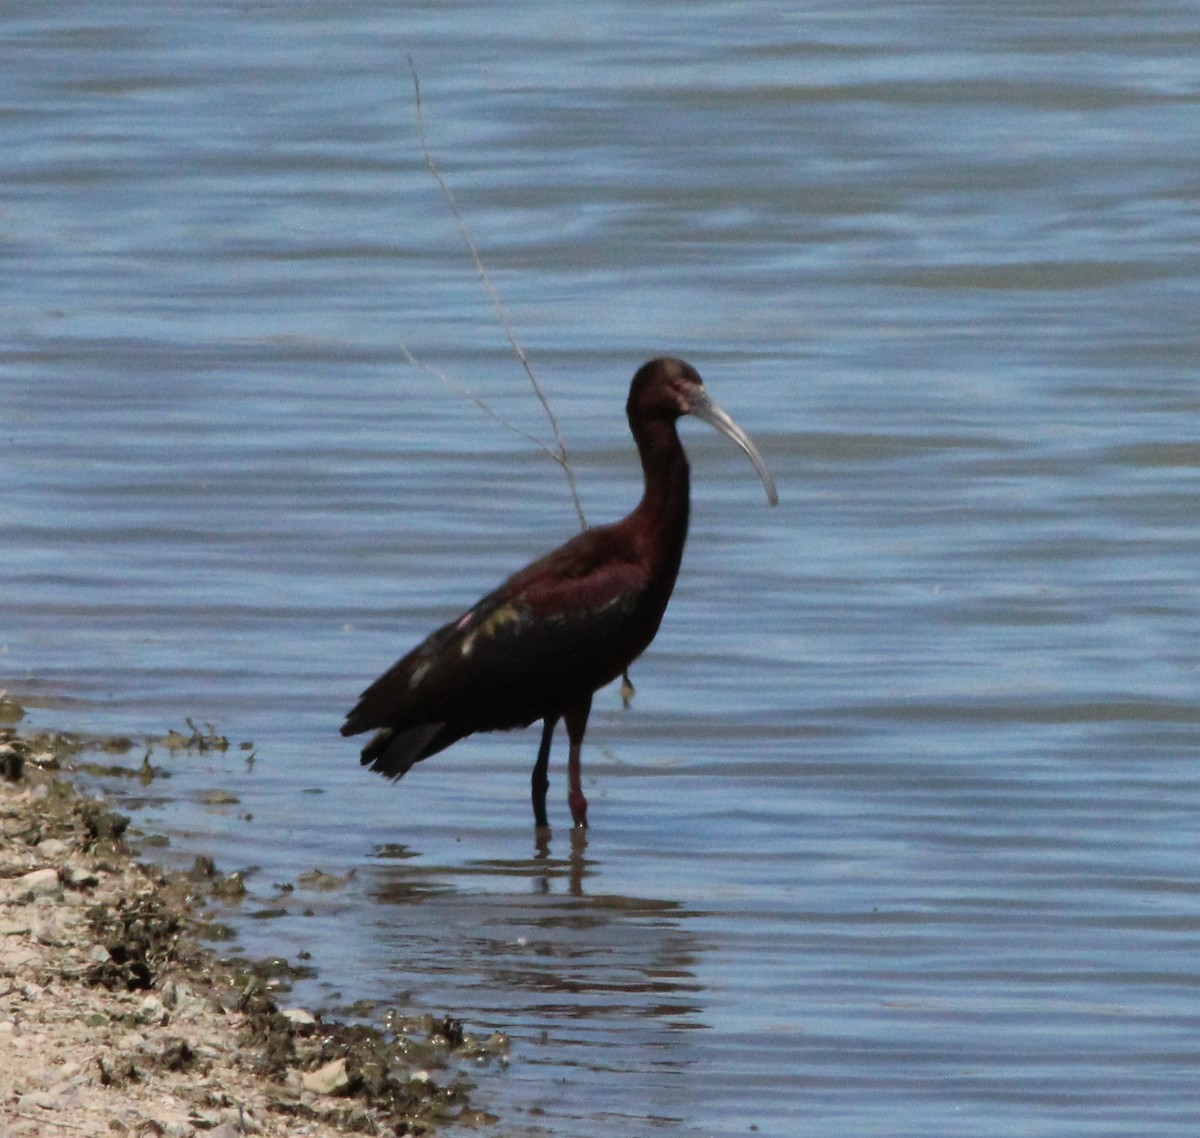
704 408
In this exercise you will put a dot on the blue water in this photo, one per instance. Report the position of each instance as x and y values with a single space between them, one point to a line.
898 837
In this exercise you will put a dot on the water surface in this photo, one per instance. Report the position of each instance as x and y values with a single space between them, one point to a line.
898 837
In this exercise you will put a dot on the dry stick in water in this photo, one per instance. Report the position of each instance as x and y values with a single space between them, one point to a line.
560 454
484 406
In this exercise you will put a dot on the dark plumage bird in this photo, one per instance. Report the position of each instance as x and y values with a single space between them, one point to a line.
541 644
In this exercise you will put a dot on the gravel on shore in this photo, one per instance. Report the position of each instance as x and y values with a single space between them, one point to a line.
117 1018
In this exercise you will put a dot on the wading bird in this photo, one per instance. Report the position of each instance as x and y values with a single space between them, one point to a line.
563 627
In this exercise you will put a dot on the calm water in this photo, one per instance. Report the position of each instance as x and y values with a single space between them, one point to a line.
899 836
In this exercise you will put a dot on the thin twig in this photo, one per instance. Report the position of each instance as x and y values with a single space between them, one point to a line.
483 405
498 305
559 455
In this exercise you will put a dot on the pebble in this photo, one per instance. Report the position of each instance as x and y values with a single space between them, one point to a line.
151 1010
331 1079
78 877
39 883
43 1100
299 1015
225 1130
47 930
52 849
16 959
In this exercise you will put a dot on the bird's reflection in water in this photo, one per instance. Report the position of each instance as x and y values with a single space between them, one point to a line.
576 863
531 959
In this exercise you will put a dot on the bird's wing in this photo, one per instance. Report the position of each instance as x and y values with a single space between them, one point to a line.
557 627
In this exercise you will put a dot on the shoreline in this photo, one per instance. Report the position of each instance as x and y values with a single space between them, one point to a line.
117 1016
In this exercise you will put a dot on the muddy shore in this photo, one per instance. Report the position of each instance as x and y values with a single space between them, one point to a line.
118 1016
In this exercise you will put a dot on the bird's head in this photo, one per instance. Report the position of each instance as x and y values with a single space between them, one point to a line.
667 388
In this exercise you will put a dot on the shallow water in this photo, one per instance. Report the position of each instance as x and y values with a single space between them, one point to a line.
898 837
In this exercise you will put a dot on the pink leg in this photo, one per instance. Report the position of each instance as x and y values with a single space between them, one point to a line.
576 721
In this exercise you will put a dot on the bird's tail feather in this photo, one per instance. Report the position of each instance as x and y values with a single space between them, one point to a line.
392 752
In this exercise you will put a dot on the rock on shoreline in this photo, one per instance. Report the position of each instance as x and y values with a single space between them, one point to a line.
116 1019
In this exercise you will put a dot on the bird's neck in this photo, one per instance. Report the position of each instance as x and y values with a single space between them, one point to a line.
662 515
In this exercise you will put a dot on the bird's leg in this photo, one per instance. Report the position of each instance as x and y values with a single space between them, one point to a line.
576 721
540 781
